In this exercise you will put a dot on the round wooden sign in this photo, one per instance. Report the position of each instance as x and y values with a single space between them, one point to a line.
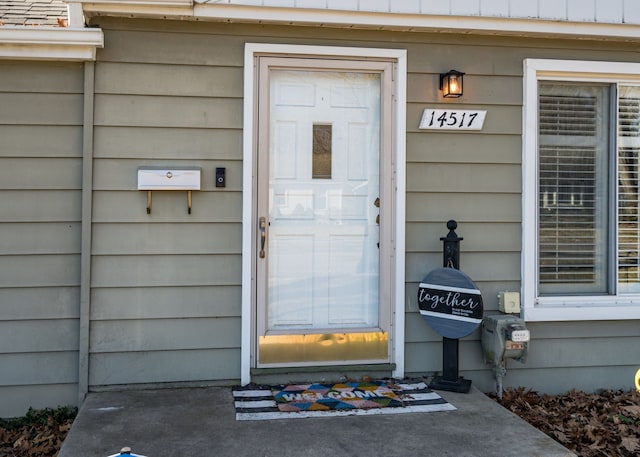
450 302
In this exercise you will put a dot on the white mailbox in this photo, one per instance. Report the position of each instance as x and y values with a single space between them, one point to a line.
158 178
169 178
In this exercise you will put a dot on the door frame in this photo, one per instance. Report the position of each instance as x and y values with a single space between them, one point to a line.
250 141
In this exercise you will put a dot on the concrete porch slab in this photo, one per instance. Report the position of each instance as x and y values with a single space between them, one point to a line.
201 422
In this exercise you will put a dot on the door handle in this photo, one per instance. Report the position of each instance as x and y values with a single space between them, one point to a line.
376 203
263 235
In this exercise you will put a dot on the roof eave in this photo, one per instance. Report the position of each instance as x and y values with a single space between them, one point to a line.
472 25
50 43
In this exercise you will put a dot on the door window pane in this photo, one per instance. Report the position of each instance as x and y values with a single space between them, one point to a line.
321 168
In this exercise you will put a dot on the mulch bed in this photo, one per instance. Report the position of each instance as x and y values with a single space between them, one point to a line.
38 434
606 424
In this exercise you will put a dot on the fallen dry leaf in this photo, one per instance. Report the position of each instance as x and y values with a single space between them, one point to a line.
633 410
591 425
630 444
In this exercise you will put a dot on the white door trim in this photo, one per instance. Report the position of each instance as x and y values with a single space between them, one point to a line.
399 56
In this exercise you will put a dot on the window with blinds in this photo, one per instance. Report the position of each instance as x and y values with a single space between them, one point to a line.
628 191
573 146
576 188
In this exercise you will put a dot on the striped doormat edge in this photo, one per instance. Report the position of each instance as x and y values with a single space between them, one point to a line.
257 403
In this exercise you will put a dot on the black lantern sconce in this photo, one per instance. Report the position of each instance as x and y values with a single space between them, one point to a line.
451 84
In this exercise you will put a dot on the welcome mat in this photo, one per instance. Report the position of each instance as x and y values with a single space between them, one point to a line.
330 400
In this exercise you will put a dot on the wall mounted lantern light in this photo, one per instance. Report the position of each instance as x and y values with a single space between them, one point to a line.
451 84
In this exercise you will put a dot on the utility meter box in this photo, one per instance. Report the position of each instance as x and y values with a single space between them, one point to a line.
509 302
504 336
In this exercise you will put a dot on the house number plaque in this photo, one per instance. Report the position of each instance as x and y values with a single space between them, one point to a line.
449 119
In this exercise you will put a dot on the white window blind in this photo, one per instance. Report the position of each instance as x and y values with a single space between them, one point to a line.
628 191
572 183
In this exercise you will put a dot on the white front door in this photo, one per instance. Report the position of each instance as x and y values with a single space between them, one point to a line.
320 204
323 182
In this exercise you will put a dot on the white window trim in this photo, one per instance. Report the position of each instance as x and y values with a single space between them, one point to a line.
248 281
570 308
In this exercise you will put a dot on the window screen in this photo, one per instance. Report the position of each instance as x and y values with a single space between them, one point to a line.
572 185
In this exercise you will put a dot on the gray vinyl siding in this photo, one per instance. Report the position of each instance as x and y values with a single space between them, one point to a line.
165 289
475 178
166 286
472 177
41 157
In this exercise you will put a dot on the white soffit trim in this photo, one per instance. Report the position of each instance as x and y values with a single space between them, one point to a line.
214 11
50 43
419 22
